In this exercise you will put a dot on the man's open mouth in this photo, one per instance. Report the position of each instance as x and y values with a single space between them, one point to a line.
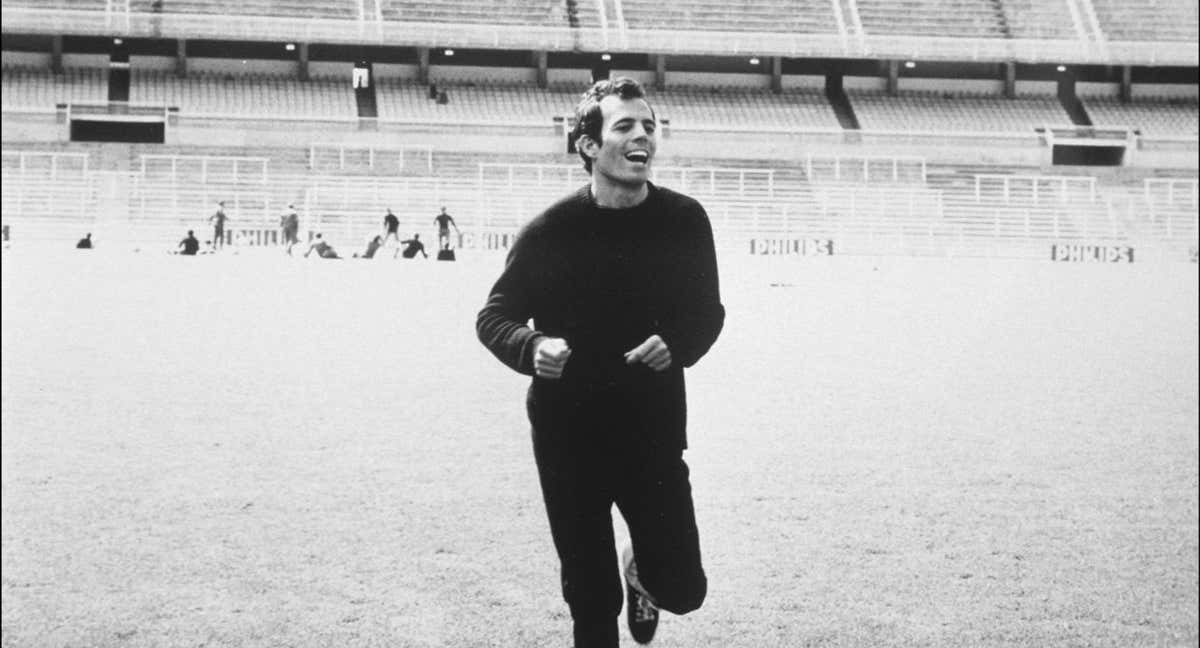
641 157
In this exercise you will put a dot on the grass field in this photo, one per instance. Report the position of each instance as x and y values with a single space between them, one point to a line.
258 451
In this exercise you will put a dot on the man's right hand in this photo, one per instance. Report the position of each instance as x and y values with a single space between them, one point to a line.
550 357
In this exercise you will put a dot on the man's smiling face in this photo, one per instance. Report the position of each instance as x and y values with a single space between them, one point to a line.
628 141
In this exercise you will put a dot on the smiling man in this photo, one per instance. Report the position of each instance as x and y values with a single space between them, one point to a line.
620 281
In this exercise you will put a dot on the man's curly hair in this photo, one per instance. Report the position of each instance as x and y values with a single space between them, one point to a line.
589 119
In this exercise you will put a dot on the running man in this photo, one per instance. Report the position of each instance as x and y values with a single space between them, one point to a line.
444 221
620 281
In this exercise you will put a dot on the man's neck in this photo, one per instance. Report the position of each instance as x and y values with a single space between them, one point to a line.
615 196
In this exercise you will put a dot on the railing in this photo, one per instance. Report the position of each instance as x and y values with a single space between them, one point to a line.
284 28
387 160
1035 188
865 168
39 162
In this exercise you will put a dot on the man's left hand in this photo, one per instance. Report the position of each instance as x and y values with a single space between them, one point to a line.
653 353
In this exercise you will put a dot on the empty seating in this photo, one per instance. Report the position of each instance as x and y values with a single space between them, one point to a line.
944 18
76 5
1148 20
405 101
941 112
1162 117
732 108
802 17
40 89
336 10
1049 19
232 96
537 13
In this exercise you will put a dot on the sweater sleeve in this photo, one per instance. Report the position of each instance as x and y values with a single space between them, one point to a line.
503 324
698 315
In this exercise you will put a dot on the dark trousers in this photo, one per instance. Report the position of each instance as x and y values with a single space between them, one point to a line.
587 463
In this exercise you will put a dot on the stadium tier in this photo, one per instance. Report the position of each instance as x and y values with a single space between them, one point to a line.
335 10
935 112
804 17
245 95
1157 118
963 18
535 13
726 108
27 88
1148 20
1049 19
474 103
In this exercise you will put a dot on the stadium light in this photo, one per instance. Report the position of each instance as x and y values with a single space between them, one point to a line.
606 57
1062 68
910 64
448 52
117 41
291 47
754 60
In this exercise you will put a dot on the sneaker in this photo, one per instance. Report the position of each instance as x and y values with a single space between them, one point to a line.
640 612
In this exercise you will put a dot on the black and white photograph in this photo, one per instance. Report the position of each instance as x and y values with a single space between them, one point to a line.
600 324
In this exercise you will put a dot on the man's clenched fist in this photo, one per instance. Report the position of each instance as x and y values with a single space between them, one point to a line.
550 357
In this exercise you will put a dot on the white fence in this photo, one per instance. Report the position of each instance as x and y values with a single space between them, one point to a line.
879 207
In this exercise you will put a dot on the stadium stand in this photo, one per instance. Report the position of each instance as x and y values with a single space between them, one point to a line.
1049 19
933 111
474 103
245 95
727 108
539 13
335 10
39 89
703 108
963 18
1159 118
74 5
804 17
1148 20
870 203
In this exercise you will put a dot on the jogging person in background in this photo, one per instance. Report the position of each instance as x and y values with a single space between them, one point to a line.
218 220
289 226
411 247
620 280
391 226
444 221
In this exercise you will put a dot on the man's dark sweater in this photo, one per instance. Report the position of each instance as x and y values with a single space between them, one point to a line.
605 280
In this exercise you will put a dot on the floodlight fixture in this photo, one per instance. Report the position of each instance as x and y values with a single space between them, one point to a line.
291 47
1062 68
118 41
606 57
448 52
910 64
753 60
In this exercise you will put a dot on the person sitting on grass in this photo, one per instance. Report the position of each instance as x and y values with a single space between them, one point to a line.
411 247
324 249
372 247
